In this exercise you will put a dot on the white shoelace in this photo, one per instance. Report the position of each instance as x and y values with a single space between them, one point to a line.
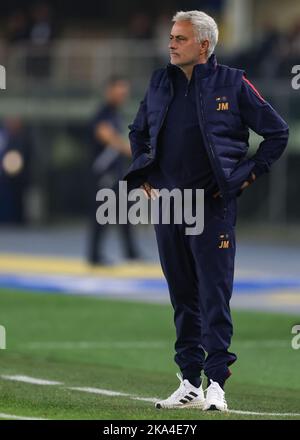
181 388
180 391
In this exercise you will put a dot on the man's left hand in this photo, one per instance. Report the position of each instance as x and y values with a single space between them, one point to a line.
248 182
245 184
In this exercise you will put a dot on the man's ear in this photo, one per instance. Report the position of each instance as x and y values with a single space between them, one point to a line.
204 45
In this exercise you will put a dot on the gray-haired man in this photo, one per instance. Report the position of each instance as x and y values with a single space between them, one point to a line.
191 131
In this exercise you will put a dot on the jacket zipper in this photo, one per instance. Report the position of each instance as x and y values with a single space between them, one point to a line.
210 150
187 88
166 110
214 159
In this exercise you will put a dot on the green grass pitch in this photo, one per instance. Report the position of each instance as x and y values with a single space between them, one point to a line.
128 347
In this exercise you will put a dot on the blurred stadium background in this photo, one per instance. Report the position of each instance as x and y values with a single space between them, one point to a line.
58 56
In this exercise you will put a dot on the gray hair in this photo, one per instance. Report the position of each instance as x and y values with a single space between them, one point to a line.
205 27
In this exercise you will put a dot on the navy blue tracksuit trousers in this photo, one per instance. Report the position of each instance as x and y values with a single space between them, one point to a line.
199 271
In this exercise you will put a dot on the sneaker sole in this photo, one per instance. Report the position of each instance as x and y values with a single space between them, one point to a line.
181 406
214 408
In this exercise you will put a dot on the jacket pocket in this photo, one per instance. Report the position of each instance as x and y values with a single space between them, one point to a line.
238 176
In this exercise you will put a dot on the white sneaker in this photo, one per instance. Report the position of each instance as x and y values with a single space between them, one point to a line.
215 398
186 396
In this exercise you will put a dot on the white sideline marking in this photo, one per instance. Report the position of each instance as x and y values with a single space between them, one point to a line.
105 392
155 399
68 345
146 399
12 416
264 343
98 391
254 413
94 345
112 393
31 380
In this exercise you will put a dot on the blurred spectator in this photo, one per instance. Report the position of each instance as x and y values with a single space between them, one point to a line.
273 55
269 52
15 148
140 26
41 34
41 31
17 27
263 59
291 53
109 150
294 39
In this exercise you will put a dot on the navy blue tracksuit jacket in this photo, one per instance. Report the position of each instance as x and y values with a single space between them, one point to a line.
199 269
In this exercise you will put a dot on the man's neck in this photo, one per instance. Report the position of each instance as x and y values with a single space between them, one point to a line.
188 70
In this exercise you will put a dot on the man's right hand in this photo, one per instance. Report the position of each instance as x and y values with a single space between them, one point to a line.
149 191
217 194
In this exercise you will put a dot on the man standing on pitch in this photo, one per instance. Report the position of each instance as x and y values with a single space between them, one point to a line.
191 131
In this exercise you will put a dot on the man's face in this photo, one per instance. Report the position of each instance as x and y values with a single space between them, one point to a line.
118 92
184 49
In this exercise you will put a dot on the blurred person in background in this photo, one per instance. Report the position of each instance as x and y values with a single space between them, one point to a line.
17 27
264 58
291 49
40 36
140 26
192 132
15 152
109 153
